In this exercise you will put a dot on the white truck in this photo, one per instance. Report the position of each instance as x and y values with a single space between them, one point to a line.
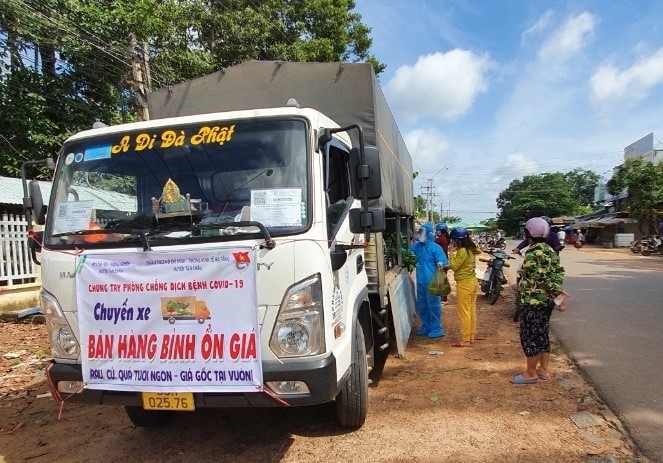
235 250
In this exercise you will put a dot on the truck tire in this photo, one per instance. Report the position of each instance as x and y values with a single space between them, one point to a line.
352 400
147 418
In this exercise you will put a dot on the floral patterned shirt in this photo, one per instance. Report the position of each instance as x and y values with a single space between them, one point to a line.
540 276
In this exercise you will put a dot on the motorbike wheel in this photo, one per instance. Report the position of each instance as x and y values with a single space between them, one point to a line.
502 245
483 286
494 290
635 249
578 244
645 251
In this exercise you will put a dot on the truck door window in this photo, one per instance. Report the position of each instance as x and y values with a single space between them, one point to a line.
338 186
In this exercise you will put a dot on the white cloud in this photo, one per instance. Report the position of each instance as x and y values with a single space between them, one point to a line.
517 166
569 38
441 85
633 83
541 24
429 149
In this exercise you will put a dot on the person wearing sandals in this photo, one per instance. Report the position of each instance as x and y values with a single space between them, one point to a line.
540 279
430 258
462 260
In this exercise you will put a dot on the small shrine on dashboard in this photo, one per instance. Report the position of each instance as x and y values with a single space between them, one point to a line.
173 204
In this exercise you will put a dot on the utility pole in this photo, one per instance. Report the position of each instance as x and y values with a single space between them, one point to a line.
429 190
430 194
140 75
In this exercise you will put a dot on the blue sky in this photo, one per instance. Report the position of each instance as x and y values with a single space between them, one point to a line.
488 91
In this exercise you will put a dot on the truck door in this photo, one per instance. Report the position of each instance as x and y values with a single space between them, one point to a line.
339 201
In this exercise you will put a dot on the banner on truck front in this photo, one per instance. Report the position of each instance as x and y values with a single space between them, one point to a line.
170 322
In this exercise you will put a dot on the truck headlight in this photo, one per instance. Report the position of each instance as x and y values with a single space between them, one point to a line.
299 327
63 341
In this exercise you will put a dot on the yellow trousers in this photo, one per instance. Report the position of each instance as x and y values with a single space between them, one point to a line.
466 294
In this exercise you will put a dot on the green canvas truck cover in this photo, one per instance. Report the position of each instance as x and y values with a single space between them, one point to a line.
347 93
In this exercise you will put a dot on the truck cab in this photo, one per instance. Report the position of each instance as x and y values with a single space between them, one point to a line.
209 261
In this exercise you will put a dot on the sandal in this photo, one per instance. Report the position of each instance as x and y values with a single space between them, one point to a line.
519 379
462 344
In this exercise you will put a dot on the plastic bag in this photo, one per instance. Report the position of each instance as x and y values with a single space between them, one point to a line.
439 284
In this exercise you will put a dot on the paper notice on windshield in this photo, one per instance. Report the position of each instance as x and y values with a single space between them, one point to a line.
72 216
277 207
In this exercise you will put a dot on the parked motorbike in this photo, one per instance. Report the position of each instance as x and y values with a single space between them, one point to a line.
493 278
500 244
636 246
651 244
576 239
482 242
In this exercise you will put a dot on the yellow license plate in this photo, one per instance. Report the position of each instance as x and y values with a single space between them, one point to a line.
182 401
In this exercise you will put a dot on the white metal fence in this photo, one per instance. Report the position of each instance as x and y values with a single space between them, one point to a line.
16 265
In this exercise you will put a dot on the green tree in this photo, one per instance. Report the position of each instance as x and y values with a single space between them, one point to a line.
291 30
420 207
584 182
644 182
69 61
550 194
452 219
490 223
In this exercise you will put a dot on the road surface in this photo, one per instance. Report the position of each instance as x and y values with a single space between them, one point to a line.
613 328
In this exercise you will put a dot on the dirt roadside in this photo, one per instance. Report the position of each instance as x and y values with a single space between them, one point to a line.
439 403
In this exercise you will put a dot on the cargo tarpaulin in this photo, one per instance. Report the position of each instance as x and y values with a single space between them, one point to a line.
347 93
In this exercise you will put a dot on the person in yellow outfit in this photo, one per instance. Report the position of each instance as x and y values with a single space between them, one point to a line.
462 260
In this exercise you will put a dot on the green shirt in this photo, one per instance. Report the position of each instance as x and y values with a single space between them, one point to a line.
540 276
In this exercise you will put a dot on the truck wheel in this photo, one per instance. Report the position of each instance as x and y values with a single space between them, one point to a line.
147 418
352 401
494 290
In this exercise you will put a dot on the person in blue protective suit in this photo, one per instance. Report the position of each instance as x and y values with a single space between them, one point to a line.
430 256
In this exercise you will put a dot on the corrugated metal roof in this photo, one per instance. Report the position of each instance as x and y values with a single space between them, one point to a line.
616 220
607 219
11 192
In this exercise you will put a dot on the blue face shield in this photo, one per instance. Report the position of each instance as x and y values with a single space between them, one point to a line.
423 235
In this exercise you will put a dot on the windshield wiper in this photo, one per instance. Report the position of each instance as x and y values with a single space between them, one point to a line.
142 234
234 228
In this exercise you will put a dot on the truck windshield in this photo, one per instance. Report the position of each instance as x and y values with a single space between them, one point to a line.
190 182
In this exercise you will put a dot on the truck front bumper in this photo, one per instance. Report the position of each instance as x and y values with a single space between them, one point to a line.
319 375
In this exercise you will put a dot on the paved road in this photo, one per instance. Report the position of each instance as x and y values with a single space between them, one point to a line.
613 328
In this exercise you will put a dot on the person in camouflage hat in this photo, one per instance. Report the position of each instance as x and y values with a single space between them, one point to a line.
540 280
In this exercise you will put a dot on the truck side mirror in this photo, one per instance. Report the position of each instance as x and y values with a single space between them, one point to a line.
371 219
38 206
367 174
